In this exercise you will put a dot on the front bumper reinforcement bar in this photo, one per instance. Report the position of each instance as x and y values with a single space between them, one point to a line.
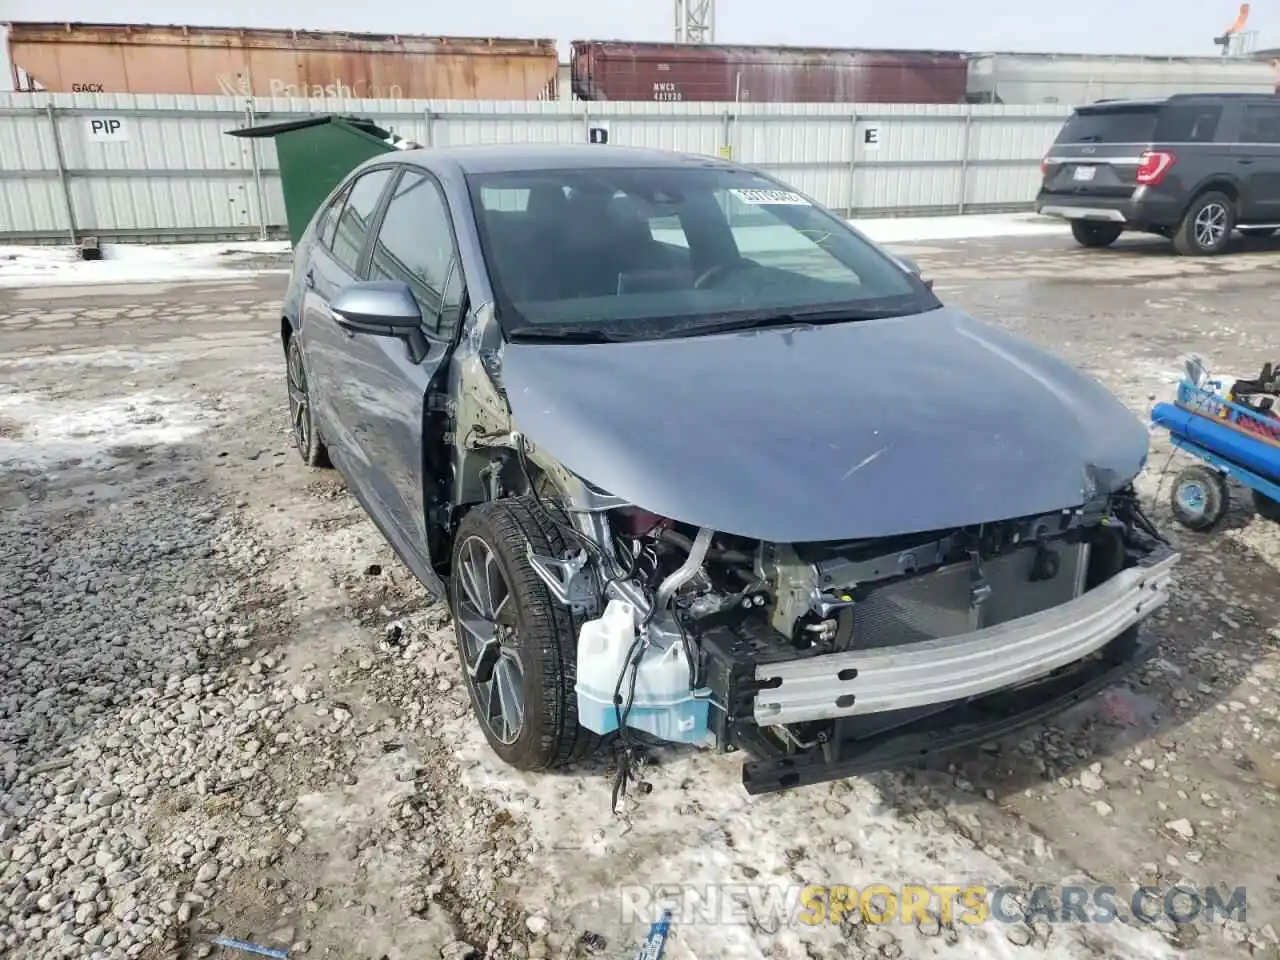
937 672
962 724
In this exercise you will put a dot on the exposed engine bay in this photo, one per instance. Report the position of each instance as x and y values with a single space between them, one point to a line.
696 636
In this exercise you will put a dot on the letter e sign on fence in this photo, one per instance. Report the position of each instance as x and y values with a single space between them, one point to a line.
870 138
106 129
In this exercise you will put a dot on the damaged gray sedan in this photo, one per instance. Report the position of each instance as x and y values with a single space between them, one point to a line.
692 459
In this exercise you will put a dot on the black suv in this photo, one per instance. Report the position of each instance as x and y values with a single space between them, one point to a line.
1192 168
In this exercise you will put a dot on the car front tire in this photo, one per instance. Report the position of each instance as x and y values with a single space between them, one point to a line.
1090 234
1206 227
517 644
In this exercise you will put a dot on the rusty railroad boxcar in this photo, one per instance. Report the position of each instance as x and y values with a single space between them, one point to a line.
616 70
123 58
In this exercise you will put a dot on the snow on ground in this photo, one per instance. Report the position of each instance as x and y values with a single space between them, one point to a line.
712 858
30 266
38 433
969 227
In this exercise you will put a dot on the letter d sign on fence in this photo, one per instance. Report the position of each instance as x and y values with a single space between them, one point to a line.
105 129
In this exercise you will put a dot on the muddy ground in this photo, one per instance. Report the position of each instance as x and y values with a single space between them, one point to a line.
226 709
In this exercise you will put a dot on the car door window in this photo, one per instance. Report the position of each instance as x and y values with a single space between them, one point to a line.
357 217
328 223
415 244
1188 123
1261 124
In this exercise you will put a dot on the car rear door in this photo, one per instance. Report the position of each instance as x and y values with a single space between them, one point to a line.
331 266
1258 160
385 411
1097 153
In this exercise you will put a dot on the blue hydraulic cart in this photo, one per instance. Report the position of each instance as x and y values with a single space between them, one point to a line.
1234 434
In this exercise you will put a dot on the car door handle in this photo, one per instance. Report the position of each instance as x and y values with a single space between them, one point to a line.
1244 160
309 278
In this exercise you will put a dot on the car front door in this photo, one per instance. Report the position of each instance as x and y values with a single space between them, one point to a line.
1260 146
335 261
385 408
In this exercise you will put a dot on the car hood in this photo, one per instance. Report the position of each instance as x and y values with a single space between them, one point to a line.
860 429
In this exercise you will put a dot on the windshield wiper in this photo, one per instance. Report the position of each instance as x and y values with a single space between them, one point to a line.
563 333
764 321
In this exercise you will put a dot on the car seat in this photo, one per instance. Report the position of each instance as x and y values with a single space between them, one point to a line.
526 246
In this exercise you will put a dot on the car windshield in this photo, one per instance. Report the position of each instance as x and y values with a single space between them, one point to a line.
661 251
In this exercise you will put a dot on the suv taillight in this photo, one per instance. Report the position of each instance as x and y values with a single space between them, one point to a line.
1153 166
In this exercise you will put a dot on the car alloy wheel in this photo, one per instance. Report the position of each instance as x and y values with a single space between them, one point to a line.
302 420
299 402
1211 225
1206 225
487 628
511 632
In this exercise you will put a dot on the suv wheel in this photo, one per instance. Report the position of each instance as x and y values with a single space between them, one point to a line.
1207 226
1089 234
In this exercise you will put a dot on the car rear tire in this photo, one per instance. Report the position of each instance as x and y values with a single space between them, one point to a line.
1199 498
1206 227
1258 231
1090 234
301 414
1266 508
517 644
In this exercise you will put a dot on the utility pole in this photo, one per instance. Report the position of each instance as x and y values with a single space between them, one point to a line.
695 21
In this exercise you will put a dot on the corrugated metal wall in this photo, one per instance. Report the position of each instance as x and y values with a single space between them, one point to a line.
166 169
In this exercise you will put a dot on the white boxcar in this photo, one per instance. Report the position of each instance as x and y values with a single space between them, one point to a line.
1072 79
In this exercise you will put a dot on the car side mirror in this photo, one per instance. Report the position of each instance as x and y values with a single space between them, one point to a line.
912 267
381 308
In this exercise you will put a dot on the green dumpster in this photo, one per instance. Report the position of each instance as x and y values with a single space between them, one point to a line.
315 154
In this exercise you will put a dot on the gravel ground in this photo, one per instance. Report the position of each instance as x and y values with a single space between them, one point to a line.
226 709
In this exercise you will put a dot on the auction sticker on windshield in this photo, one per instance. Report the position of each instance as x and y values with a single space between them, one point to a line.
770 197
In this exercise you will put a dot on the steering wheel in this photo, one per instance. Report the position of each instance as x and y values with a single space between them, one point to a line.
719 271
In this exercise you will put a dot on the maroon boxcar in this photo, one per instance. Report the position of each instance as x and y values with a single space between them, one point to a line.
616 70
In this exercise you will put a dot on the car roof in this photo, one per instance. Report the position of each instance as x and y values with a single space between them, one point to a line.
1126 103
518 157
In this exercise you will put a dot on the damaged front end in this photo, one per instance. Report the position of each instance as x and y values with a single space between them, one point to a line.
823 660
838 601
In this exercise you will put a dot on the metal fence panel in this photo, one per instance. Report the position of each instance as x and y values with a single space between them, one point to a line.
149 167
